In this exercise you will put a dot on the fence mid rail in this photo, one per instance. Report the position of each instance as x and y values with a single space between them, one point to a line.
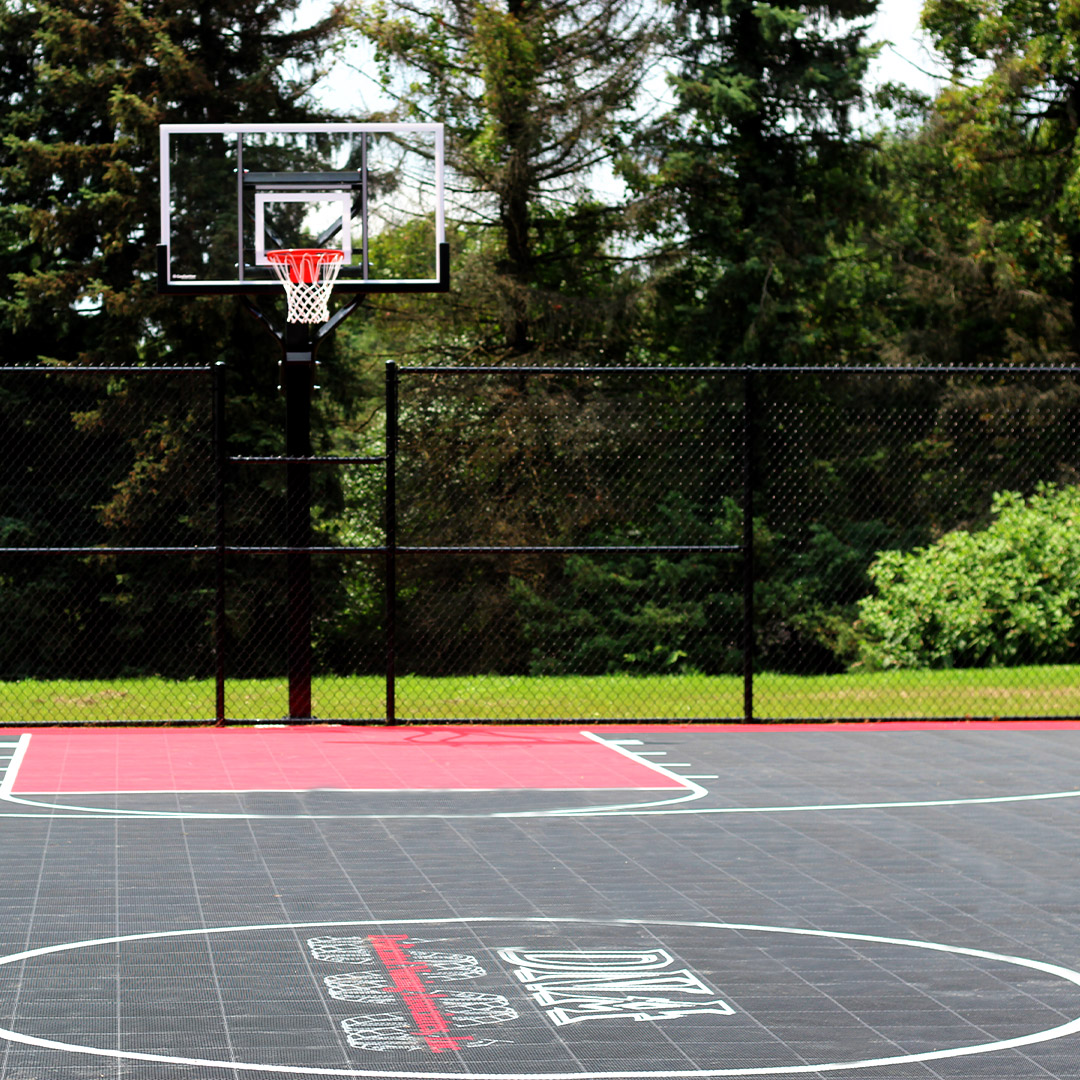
542 544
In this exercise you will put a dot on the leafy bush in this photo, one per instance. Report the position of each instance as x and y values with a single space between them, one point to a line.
1006 595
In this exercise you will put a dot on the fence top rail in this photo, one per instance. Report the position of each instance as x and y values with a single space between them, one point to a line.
294 459
165 549
572 549
107 369
718 370
572 369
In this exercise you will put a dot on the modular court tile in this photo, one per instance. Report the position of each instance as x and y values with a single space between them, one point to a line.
876 901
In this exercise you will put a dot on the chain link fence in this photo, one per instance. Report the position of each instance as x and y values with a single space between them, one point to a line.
854 465
545 544
107 501
569 543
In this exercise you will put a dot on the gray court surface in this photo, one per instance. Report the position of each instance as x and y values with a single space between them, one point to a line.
818 902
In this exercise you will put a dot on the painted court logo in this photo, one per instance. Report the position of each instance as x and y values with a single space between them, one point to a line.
611 984
415 1006
432 1016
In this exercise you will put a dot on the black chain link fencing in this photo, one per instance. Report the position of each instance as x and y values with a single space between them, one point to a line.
107 502
546 544
569 543
853 465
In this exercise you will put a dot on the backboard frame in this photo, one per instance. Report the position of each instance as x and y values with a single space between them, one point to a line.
260 280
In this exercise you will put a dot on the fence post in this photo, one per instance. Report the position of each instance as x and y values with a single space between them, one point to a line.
391 537
220 458
748 432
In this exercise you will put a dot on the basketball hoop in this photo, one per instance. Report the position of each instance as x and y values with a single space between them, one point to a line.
308 275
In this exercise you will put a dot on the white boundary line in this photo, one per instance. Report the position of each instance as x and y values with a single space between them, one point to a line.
1070 1027
8 781
694 791
982 800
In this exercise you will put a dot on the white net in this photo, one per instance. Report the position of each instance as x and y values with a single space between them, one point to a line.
308 275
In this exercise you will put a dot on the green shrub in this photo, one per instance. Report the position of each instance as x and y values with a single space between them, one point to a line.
1006 595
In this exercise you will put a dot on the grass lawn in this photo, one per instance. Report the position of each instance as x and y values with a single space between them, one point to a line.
1022 691
1032 691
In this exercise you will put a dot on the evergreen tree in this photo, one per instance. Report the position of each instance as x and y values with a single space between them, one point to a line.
760 174
88 83
80 144
539 100
986 216
538 97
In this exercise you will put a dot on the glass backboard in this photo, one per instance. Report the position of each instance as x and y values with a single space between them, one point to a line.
232 192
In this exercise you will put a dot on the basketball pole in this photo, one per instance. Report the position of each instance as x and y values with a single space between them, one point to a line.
308 275
297 382
299 344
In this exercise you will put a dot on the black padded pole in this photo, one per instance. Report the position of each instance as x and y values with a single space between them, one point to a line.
297 381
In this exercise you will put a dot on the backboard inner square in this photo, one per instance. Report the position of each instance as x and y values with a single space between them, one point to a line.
343 199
